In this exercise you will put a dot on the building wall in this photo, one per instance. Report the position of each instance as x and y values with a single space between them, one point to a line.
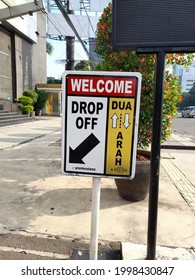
23 65
39 67
29 57
5 65
186 76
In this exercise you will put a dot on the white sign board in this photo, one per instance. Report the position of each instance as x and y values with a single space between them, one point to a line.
100 123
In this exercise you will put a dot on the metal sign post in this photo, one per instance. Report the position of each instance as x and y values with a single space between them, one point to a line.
95 218
155 157
155 153
156 143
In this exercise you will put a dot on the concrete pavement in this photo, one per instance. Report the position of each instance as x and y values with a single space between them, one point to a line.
36 199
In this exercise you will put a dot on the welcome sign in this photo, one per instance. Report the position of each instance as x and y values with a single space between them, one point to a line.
100 122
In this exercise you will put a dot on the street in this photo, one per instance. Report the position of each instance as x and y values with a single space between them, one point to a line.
184 127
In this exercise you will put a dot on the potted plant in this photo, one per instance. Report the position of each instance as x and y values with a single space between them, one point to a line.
33 95
130 61
40 103
26 110
138 188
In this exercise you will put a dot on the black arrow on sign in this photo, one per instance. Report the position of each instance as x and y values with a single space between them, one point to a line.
76 155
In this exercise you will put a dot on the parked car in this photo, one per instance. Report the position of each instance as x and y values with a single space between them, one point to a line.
188 111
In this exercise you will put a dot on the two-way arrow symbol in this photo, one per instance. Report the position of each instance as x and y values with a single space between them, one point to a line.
126 121
76 155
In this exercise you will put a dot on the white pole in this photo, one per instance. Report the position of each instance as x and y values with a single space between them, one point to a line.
95 218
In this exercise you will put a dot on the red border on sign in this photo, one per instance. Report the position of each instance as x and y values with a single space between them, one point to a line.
101 86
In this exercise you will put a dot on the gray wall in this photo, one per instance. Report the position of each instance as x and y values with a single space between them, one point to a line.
39 73
31 59
5 66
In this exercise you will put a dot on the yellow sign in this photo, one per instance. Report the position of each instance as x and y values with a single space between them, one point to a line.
120 135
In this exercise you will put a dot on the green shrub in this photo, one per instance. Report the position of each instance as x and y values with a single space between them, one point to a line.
25 100
27 109
41 100
32 94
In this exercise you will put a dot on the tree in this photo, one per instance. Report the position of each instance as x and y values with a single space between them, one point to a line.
188 99
41 100
54 81
184 100
85 65
32 94
192 90
129 61
49 48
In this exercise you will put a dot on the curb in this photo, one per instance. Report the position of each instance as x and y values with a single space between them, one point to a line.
183 141
132 251
183 185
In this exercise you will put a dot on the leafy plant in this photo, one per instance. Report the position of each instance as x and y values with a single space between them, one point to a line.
27 109
129 61
54 81
85 65
41 100
32 94
192 90
26 106
25 100
188 99
49 48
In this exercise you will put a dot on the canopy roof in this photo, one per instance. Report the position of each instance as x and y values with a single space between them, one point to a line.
15 8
